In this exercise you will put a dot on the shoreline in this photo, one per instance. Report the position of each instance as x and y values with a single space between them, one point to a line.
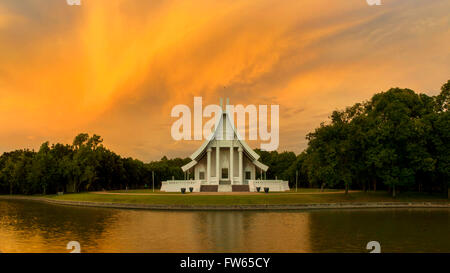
255 207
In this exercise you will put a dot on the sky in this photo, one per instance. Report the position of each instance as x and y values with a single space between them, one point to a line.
116 68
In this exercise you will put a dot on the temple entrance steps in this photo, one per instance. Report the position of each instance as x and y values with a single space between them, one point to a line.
240 188
209 188
225 188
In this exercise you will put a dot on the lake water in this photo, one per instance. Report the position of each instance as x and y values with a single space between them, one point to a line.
28 226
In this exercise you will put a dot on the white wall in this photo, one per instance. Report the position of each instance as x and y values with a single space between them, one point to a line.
176 185
201 167
248 166
273 185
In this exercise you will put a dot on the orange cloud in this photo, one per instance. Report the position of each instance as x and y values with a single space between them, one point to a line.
116 68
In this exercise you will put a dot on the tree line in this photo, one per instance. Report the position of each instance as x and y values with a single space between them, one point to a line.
86 165
398 140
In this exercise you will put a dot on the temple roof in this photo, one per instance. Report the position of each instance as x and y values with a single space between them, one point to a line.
228 132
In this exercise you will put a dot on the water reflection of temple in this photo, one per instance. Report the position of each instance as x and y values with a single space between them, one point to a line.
210 231
47 228
254 231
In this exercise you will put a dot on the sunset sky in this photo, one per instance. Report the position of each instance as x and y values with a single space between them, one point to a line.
116 68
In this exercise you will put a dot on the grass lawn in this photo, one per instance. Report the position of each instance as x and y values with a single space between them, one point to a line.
300 190
260 198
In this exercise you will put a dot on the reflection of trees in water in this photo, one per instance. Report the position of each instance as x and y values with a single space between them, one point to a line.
397 230
54 223
48 228
253 231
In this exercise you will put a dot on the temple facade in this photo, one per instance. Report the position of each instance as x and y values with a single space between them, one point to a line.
224 163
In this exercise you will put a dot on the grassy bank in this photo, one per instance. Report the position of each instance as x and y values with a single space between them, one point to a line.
150 191
254 199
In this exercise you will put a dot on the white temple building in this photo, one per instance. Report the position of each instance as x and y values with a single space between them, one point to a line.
224 163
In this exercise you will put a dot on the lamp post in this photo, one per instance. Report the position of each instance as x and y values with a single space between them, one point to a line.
296 180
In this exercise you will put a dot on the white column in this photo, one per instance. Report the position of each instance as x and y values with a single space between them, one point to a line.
217 161
241 167
208 166
231 163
